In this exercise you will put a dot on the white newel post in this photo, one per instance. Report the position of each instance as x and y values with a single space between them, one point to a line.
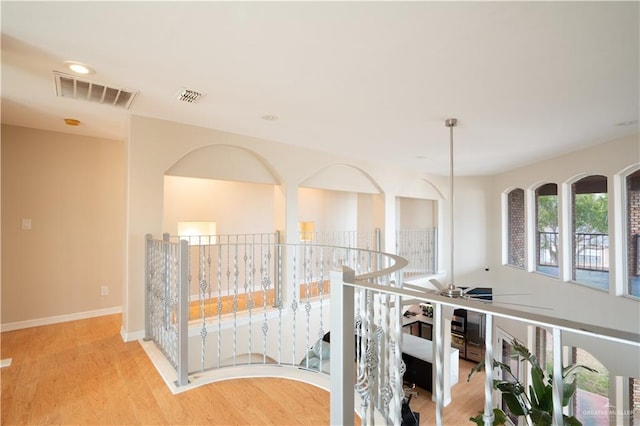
488 416
557 388
342 348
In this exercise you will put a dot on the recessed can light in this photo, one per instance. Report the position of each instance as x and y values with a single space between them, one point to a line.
270 117
79 67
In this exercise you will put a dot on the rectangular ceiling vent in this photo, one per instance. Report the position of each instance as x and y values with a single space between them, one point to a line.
69 86
190 96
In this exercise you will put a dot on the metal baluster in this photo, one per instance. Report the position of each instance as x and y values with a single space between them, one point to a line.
307 306
294 305
203 288
266 284
235 303
248 294
278 298
220 306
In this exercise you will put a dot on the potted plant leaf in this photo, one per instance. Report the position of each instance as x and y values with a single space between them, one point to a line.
536 406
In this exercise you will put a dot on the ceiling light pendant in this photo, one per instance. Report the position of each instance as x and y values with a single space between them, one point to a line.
451 290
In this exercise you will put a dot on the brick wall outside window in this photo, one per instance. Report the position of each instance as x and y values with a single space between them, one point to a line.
634 394
515 203
633 215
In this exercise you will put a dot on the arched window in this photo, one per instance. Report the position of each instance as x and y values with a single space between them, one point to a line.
633 233
516 228
590 242
547 229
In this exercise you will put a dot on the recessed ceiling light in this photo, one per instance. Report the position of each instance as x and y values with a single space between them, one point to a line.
71 122
79 67
421 157
270 117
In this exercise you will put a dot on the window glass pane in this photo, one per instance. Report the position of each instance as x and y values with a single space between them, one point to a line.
547 229
590 232
514 364
591 400
515 202
633 243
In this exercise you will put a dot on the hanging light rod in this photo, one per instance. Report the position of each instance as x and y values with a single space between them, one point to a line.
451 290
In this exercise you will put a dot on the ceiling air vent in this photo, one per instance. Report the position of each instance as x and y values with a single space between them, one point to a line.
69 86
190 96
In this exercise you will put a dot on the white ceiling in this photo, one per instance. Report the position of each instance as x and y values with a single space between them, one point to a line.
372 80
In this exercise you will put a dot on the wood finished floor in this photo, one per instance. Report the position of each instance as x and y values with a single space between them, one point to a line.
82 373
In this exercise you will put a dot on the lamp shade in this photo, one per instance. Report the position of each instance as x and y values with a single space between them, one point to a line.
193 231
307 230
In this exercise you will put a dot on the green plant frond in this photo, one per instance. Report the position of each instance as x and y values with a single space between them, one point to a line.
568 389
541 417
523 351
477 419
537 384
499 418
516 404
547 400
536 401
504 386
477 369
571 370
533 397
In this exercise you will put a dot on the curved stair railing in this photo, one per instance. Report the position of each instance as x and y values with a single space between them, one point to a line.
219 304
256 306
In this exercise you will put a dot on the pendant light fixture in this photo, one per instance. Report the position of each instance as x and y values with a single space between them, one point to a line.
451 290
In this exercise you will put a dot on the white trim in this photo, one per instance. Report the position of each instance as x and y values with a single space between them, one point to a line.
6 362
60 318
132 336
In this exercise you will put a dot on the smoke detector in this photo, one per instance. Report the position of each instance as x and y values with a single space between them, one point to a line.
189 96
70 86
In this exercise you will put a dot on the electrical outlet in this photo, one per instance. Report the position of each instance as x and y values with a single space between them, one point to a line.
104 290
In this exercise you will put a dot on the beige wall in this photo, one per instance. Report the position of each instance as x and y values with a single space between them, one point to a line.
236 207
155 146
72 189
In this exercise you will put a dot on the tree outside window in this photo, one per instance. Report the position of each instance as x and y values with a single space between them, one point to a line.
547 229
590 232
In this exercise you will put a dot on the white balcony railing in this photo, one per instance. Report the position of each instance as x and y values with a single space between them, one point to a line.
347 296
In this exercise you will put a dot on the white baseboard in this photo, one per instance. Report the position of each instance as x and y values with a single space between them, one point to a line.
60 318
131 336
